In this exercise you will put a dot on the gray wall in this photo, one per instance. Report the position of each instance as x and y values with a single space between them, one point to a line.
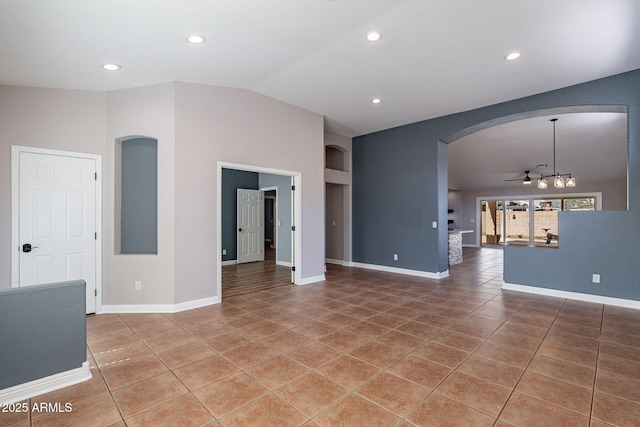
396 195
283 231
139 196
395 198
232 180
43 331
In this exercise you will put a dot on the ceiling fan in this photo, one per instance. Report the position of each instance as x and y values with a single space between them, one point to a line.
526 180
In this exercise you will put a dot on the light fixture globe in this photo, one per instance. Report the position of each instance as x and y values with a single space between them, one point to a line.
542 183
558 181
571 182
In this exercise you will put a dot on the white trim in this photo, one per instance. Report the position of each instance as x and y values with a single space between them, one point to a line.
160 308
45 385
397 270
297 217
229 262
15 212
284 263
335 261
274 228
312 279
599 299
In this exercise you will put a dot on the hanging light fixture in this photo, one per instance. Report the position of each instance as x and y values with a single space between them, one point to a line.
559 180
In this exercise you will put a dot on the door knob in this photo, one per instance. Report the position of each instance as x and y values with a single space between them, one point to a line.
239 229
27 247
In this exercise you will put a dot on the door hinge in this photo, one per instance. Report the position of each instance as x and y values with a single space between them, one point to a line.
96 176
95 292
293 228
95 235
293 188
293 269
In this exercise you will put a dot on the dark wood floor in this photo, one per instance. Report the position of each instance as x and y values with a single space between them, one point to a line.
240 279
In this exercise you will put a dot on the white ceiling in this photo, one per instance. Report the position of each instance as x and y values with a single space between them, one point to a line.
435 57
590 146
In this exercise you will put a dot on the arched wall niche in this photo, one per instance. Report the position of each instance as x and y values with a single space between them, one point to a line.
136 195
336 158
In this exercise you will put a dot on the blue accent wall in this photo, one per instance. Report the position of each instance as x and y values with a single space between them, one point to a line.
399 188
139 196
43 331
233 179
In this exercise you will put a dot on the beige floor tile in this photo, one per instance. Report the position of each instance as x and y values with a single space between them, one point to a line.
557 392
348 371
267 411
132 371
205 371
485 396
98 411
615 411
393 393
183 411
230 393
355 411
377 354
420 371
522 410
312 393
438 410
148 393
277 371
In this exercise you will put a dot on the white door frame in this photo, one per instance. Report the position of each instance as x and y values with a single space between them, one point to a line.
296 253
274 227
15 211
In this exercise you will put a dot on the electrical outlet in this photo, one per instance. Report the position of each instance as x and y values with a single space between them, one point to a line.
595 278
395 257
138 285
434 224
224 252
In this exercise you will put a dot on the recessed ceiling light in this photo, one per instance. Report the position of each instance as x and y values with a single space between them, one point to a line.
196 39
512 56
111 67
374 36
376 101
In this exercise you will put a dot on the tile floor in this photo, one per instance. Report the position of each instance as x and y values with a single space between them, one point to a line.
363 348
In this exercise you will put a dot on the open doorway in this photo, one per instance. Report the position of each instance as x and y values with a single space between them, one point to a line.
276 267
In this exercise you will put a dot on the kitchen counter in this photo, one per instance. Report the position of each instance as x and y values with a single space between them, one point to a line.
455 245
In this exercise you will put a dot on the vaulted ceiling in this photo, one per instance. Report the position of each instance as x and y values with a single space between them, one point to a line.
434 58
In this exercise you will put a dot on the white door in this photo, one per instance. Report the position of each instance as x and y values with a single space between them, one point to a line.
57 221
250 223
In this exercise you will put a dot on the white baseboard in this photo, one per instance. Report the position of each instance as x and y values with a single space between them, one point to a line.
283 263
313 279
45 385
598 299
408 272
229 262
470 245
159 308
335 261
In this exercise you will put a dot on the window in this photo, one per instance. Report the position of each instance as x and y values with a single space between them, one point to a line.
516 222
513 219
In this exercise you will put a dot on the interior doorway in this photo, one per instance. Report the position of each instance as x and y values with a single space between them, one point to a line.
56 216
280 251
